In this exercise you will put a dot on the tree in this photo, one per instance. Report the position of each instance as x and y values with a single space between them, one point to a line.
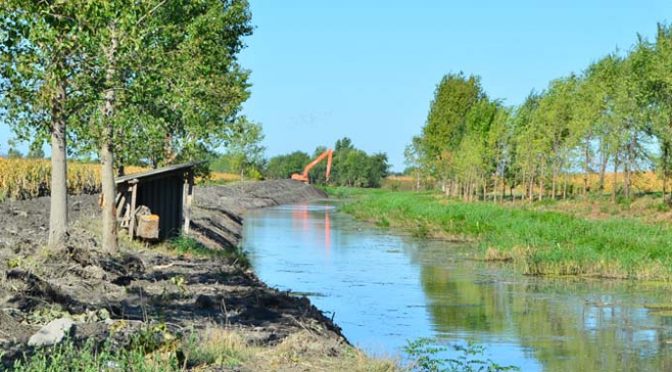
244 147
413 159
41 68
352 166
498 142
656 59
166 75
445 126
13 152
36 151
283 166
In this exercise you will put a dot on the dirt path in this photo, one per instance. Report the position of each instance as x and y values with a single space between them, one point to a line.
111 296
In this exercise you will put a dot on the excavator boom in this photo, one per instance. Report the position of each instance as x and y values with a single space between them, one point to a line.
303 177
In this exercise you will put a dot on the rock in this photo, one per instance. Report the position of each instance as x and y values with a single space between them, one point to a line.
204 302
93 272
51 333
103 314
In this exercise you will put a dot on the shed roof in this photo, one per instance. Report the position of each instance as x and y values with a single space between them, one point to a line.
156 173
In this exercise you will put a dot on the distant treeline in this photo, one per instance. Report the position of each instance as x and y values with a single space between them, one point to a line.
614 119
351 166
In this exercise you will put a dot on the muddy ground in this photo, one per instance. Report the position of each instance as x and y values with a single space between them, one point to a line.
111 296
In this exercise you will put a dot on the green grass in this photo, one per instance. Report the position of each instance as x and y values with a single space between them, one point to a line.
188 245
90 357
538 242
211 349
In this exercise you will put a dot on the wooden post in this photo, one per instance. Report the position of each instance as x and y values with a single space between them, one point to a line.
121 196
187 196
134 195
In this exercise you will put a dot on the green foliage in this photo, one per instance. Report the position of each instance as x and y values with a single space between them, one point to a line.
66 356
187 245
13 153
429 355
283 166
351 166
245 153
609 116
354 167
177 82
36 152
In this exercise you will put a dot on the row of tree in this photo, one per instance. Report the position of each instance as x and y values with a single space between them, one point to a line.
614 117
351 166
126 80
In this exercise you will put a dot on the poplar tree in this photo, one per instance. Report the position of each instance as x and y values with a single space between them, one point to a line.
43 65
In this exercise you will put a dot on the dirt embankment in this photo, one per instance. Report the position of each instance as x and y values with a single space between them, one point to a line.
216 216
111 296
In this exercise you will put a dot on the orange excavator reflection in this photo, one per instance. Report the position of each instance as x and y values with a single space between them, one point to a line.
303 177
301 220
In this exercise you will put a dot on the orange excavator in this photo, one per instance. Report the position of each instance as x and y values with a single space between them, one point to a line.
303 177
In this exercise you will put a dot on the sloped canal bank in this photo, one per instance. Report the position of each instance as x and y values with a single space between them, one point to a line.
163 307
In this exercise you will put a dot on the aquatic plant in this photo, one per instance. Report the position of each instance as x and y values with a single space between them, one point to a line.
429 354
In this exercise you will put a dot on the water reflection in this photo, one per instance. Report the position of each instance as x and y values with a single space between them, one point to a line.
303 219
384 290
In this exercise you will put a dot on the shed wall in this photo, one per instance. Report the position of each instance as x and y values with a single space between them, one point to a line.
164 197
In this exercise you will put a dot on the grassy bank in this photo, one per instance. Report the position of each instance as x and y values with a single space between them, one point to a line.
536 241
212 349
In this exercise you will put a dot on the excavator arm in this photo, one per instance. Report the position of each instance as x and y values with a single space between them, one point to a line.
303 177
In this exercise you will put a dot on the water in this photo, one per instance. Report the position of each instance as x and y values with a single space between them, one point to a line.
384 289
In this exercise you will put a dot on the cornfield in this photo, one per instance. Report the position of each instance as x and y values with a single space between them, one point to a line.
641 182
221 177
29 178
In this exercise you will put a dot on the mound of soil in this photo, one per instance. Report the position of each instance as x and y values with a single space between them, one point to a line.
119 292
216 216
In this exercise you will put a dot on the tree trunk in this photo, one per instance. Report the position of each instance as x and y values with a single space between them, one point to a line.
603 170
664 188
417 181
58 212
626 178
541 182
485 190
627 168
504 189
554 182
586 187
523 184
666 166
168 154
494 190
110 243
564 187
614 186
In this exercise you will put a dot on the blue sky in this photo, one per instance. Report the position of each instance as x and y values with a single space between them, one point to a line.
322 70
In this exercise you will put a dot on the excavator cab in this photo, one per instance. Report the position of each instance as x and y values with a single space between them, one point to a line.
303 177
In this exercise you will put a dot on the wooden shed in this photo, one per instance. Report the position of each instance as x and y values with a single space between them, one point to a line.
165 192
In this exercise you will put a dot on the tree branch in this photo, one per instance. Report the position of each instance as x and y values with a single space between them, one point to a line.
150 12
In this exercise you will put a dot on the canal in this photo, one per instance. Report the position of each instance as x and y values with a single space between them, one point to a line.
385 289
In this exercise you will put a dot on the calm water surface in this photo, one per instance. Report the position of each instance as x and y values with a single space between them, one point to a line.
384 289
